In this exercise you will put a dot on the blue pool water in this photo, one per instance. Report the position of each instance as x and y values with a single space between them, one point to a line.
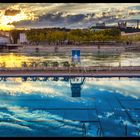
75 107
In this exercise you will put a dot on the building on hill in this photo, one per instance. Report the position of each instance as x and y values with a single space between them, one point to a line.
122 26
100 24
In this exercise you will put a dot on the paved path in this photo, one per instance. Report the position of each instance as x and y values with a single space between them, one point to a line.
15 73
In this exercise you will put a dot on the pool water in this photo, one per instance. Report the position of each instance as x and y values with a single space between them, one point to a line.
74 107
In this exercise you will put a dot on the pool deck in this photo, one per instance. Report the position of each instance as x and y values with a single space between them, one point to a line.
44 73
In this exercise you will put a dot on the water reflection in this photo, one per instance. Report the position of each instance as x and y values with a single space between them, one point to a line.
76 86
44 106
125 59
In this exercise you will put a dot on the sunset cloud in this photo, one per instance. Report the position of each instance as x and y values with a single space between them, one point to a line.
11 12
69 15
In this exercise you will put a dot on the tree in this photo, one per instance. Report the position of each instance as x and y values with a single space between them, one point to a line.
76 36
15 35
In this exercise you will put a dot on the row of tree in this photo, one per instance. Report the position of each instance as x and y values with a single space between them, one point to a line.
76 36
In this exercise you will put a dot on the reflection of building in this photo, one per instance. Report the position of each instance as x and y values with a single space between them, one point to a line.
76 86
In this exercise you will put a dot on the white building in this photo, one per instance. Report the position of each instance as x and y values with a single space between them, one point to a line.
4 40
5 33
22 38
102 24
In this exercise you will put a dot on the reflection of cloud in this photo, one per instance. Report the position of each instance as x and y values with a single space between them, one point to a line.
15 86
51 89
123 86
5 125
14 111
26 88
37 128
108 114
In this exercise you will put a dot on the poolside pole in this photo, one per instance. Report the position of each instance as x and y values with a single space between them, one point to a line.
126 130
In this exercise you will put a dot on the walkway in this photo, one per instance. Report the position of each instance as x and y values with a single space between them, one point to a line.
15 73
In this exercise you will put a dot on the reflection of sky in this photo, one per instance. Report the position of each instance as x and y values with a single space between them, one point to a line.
125 59
125 86
23 108
51 88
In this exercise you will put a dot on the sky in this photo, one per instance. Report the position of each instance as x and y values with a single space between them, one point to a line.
68 15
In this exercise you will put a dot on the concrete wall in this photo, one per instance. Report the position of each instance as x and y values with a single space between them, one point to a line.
68 49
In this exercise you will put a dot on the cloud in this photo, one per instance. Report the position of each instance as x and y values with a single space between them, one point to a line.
58 19
11 12
74 15
63 19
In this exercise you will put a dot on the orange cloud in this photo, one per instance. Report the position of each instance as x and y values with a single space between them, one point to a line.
12 12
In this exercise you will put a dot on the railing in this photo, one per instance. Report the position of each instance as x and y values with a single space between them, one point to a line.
76 68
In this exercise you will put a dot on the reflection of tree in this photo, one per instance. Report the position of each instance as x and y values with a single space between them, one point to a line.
55 64
34 64
24 64
24 79
55 79
3 78
66 79
66 64
3 65
45 64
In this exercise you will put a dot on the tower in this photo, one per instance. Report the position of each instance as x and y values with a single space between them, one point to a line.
137 24
122 24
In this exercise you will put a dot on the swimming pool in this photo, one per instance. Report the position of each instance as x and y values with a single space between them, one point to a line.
75 107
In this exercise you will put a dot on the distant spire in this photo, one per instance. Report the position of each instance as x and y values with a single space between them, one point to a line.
137 24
